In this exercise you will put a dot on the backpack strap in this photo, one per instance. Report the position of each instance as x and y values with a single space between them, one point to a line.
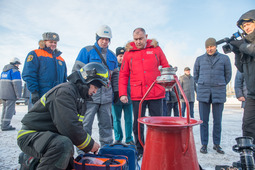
100 55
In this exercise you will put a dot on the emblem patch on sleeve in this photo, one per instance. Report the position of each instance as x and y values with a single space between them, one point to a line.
30 58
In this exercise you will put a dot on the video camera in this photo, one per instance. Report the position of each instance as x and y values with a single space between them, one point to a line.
227 47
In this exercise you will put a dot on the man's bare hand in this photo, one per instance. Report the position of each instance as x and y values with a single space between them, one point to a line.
95 148
124 99
242 99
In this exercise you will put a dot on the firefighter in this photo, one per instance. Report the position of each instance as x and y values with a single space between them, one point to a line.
54 124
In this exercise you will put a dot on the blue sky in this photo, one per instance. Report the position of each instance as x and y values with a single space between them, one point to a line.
180 26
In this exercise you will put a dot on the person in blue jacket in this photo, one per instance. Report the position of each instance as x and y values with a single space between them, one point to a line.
212 73
102 100
44 68
10 91
117 108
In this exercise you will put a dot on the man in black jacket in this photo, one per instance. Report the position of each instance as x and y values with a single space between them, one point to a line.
245 62
54 124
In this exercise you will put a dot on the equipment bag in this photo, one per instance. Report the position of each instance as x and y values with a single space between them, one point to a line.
122 149
100 162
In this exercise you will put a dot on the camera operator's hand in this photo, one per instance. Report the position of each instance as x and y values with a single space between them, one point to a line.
236 43
235 46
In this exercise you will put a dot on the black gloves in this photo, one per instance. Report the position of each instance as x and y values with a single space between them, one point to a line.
116 97
235 45
35 97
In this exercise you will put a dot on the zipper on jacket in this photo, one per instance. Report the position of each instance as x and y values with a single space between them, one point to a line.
131 65
157 59
122 65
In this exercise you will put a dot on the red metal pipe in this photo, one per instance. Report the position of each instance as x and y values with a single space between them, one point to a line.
184 97
140 112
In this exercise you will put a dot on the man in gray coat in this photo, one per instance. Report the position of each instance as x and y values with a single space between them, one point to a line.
189 87
212 72
10 91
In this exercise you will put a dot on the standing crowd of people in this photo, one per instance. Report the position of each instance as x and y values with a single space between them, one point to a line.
62 108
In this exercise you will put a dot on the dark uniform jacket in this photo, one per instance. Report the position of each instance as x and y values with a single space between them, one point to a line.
245 59
61 110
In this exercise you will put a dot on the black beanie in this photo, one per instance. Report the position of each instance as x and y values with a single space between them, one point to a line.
120 50
96 83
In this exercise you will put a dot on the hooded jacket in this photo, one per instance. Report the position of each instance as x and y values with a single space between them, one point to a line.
89 54
245 59
141 65
44 69
10 83
61 110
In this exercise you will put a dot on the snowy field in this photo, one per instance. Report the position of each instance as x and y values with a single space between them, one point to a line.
231 128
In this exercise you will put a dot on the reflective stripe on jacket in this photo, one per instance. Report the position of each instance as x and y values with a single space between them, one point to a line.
61 110
88 54
10 83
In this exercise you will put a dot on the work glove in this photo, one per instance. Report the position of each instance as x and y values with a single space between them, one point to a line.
235 46
35 97
116 97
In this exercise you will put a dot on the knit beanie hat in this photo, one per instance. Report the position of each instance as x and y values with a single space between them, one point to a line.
186 68
96 83
210 42
120 50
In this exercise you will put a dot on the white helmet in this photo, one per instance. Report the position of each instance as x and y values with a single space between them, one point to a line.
104 32
15 60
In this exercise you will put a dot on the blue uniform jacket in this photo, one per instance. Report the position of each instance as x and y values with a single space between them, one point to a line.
44 69
88 54
10 83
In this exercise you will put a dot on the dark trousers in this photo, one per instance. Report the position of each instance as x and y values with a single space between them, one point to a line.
173 106
191 108
155 109
165 109
204 111
249 119
53 150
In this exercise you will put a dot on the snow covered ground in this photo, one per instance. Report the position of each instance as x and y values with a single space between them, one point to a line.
231 128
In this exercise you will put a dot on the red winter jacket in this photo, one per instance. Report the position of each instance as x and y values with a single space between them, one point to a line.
141 65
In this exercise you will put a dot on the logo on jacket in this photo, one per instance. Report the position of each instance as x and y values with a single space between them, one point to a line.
60 63
149 52
30 58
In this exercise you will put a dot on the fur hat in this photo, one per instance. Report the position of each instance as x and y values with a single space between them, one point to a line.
50 36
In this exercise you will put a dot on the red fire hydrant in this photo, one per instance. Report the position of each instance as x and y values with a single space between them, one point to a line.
169 141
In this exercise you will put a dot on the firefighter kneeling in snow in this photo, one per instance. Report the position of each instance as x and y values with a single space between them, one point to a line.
54 124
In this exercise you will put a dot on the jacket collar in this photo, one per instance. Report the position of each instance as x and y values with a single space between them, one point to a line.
150 43
55 52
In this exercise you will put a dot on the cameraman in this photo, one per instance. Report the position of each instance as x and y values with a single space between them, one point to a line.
245 62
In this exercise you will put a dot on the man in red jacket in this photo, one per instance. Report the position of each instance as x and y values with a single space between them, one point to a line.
141 61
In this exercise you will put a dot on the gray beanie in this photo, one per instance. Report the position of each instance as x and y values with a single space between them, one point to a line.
210 42
52 36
